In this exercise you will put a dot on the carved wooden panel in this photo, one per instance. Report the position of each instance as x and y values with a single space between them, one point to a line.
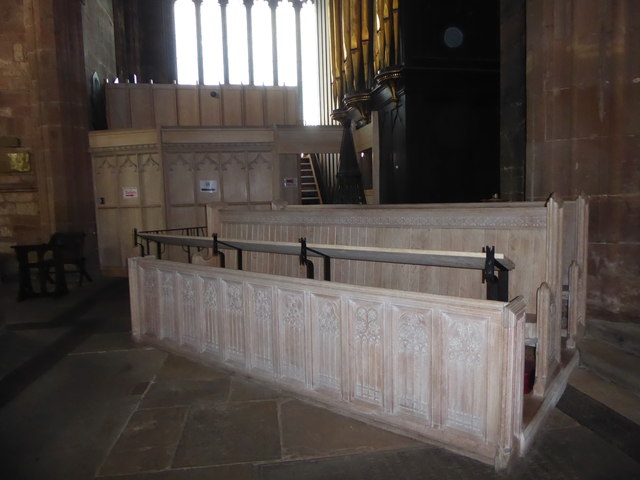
180 178
129 181
519 231
292 115
190 332
150 303
276 110
151 180
105 174
210 106
367 336
234 177
109 248
254 107
118 107
169 319
327 333
292 328
211 311
162 105
234 322
207 168
260 168
142 106
413 351
263 319
188 102
443 368
465 373
165 105
232 106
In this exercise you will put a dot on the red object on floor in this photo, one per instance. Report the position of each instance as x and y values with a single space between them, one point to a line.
529 376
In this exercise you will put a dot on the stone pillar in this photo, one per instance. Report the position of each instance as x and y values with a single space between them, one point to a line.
583 124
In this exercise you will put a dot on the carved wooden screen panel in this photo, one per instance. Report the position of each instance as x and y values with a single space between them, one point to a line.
293 327
260 176
448 369
165 105
234 322
206 168
188 102
464 373
169 323
180 181
232 106
234 177
142 111
190 328
519 233
327 334
118 107
210 106
129 191
276 106
368 335
263 304
211 328
413 332
254 107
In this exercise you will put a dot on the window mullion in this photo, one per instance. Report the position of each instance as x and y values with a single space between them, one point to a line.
273 4
248 4
297 5
225 43
198 4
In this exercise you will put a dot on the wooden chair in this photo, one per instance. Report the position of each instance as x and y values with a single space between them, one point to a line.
50 260
68 250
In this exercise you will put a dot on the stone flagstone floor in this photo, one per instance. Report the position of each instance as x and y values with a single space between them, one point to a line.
80 400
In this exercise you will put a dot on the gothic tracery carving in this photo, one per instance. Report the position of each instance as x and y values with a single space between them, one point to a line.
328 318
465 343
367 325
412 334
293 312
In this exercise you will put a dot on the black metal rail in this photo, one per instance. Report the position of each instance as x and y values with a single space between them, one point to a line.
495 271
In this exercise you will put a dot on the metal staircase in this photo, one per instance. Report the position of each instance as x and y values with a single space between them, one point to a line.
309 189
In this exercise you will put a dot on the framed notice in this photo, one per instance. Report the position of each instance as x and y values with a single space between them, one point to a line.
208 186
129 192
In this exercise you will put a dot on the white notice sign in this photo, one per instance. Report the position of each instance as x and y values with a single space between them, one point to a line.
208 186
129 192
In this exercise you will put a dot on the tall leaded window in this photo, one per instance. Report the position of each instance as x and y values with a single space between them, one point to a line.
186 42
213 67
249 42
262 44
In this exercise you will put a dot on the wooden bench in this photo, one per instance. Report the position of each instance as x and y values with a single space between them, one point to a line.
403 335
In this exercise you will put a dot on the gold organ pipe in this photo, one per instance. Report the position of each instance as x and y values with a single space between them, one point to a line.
356 44
365 42
379 36
365 38
336 50
387 25
346 45
396 33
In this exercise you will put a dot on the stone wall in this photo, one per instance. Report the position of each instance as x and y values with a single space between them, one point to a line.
99 55
44 101
20 203
583 81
